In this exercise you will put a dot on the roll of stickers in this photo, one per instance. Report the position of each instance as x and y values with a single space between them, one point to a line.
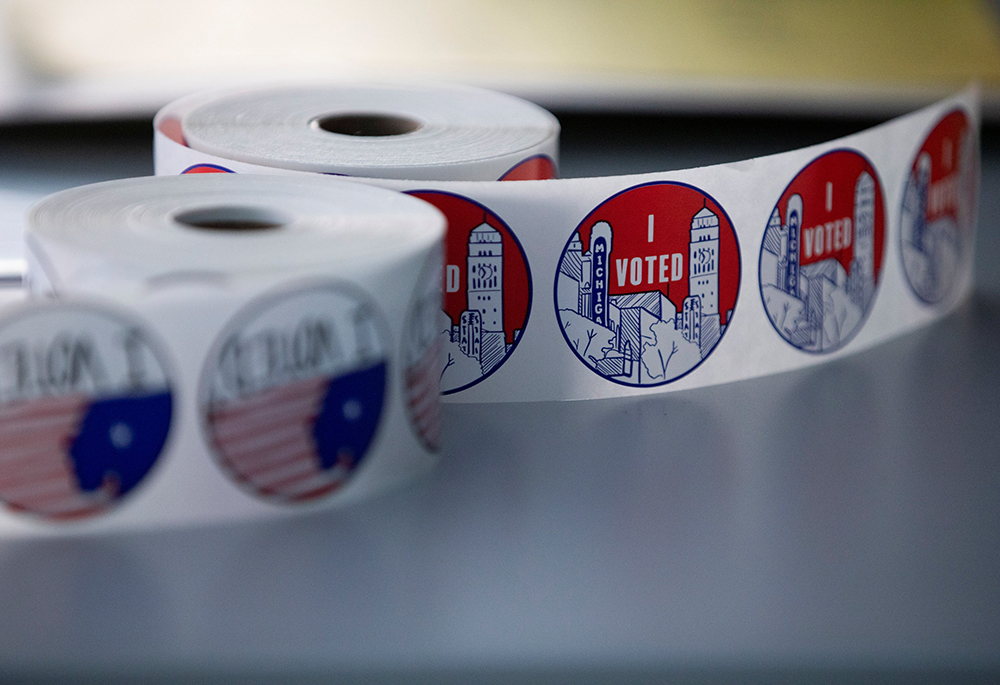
627 285
204 349
447 133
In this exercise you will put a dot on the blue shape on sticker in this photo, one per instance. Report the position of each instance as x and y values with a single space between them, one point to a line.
120 439
349 418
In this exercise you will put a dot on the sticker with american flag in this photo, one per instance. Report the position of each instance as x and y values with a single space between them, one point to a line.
294 389
85 409
422 356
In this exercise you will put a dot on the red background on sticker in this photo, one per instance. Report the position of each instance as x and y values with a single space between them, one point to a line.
464 215
673 207
172 129
842 168
537 168
206 169
952 128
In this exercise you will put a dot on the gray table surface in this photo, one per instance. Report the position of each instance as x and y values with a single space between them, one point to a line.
717 535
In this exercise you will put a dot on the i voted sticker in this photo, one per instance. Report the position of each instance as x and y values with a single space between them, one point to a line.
487 291
821 256
939 207
85 409
295 390
647 283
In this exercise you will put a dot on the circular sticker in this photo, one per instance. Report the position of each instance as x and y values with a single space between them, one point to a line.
647 284
822 252
85 409
294 391
487 291
422 356
536 168
938 209
207 169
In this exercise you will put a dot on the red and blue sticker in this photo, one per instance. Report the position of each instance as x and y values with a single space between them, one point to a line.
647 284
294 391
85 409
534 168
207 169
487 291
821 257
939 208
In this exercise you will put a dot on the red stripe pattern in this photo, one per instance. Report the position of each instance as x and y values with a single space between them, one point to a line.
423 393
265 439
36 471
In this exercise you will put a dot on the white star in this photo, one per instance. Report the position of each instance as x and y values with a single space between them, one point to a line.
352 410
121 435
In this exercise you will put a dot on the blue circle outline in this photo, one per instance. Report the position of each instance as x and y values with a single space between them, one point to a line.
527 270
206 164
906 180
739 282
878 282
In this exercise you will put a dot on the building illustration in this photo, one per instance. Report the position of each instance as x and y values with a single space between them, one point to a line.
861 284
477 344
819 305
641 338
936 216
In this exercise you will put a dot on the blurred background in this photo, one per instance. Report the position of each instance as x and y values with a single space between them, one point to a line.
70 59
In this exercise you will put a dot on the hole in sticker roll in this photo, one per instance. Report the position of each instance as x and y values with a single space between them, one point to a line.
367 124
233 218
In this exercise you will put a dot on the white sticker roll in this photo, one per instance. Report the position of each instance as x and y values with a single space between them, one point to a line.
448 133
204 349
627 285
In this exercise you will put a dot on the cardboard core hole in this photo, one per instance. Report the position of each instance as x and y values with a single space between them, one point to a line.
232 218
361 124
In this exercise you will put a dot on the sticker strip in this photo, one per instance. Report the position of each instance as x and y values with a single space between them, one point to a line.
811 229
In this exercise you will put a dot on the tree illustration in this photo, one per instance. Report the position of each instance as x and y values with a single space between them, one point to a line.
450 362
665 352
582 334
